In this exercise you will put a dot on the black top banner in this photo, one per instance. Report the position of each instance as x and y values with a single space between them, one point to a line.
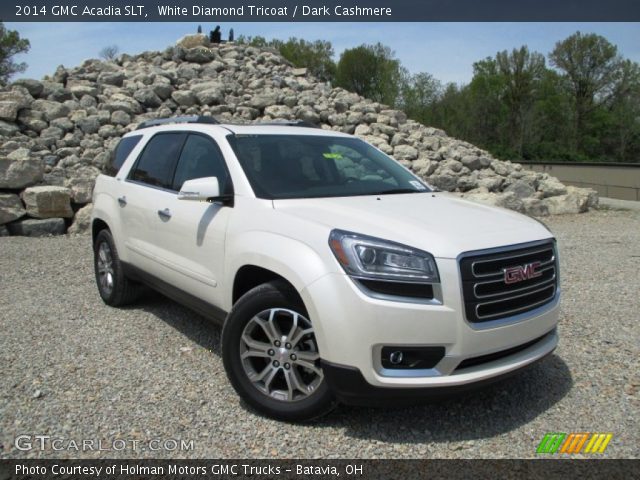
320 11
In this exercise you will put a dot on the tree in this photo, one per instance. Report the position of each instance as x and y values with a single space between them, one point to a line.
256 41
109 53
521 72
592 68
485 106
371 71
419 92
315 56
11 44
550 128
624 111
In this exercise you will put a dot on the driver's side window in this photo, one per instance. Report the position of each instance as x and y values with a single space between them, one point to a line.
200 158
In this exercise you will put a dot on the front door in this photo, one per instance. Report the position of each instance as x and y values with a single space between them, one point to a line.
191 238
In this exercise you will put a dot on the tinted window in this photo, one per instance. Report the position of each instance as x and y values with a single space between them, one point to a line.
304 166
200 158
158 160
120 154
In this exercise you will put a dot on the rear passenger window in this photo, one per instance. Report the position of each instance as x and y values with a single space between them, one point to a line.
158 159
120 154
200 158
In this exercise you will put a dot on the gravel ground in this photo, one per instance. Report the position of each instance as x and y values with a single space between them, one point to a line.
76 369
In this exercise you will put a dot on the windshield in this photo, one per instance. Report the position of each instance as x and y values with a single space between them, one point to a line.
305 166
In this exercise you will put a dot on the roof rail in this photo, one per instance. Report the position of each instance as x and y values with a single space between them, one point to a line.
288 123
184 119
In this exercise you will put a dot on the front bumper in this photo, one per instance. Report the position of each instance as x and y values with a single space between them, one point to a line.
351 328
350 387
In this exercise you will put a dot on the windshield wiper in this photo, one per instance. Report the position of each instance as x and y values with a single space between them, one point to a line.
397 190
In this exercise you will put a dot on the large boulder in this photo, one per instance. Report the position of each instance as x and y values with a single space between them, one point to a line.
37 228
147 97
50 109
210 96
576 200
192 41
10 208
551 187
263 100
81 182
199 55
9 110
34 87
405 152
111 78
20 169
48 202
185 98
82 220
521 189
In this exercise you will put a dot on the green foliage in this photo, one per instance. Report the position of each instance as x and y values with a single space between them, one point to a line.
371 71
418 93
256 41
315 56
517 108
586 107
10 45
592 68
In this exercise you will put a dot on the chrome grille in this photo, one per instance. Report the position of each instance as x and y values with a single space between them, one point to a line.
490 292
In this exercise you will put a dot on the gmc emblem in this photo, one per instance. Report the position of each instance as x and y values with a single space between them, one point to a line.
521 273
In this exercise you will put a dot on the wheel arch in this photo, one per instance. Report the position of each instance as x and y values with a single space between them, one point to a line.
97 225
250 276
259 257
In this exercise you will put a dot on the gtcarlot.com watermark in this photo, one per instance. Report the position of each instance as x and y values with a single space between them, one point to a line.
27 443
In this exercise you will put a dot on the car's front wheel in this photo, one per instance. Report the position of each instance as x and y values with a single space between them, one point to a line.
271 355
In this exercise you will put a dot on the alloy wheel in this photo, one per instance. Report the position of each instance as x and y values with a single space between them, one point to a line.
280 356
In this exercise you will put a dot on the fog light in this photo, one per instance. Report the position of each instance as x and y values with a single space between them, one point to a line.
410 357
396 357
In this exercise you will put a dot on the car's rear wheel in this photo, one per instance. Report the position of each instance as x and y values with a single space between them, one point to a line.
114 287
271 355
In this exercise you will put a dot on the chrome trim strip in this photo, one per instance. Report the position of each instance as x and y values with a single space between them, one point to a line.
499 322
516 310
490 295
477 275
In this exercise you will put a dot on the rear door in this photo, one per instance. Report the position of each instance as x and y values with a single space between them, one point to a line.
191 242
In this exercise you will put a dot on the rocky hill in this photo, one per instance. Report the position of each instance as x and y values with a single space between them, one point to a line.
57 133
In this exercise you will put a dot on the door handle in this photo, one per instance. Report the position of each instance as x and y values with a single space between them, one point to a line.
122 201
164 214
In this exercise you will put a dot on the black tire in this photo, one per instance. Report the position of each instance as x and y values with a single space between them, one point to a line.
277 297
123 291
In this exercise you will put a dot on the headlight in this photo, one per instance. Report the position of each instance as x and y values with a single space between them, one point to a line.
368 257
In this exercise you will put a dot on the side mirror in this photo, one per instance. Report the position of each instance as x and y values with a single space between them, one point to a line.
200 189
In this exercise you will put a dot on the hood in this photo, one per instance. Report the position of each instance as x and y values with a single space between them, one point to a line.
439 223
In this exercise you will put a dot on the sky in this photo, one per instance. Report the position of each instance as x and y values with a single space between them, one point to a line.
445 50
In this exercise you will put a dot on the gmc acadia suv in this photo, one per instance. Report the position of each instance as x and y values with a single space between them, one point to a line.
337 274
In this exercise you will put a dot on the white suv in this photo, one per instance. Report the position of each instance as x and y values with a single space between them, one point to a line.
337 274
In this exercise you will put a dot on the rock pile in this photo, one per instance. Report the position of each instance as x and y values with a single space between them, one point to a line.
57 134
